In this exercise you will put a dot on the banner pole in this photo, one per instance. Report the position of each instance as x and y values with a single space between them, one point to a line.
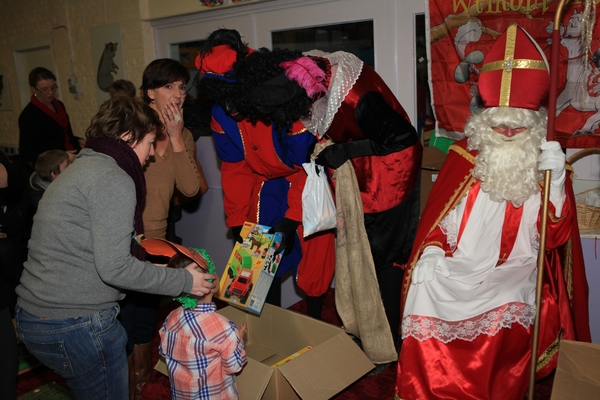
546 195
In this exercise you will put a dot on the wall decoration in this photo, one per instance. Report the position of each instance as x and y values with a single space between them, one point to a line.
107 58
460 36
5 97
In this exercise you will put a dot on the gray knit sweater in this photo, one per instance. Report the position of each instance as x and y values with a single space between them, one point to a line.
79 252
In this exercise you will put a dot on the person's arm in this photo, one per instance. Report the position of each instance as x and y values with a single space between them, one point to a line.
299 142
237 179
386 130
560 225
189 176
233 355
111 208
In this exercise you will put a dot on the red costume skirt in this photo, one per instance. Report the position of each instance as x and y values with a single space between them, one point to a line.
489 367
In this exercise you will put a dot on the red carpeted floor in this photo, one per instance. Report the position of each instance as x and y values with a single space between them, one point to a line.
379 387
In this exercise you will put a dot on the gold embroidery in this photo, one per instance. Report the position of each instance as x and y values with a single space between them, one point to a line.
258 202
549 353
297 133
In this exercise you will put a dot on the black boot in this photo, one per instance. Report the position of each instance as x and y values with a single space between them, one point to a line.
315 306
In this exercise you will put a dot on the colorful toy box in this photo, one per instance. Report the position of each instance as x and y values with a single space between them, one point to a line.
251 268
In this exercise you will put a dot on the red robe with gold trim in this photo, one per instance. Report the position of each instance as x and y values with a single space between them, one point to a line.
494 366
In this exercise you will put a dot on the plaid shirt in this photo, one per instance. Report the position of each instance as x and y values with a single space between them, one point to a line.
203 351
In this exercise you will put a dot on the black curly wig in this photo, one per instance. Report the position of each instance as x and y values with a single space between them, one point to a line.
217 90
264 90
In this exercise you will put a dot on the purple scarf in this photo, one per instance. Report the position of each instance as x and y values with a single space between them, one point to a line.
129 162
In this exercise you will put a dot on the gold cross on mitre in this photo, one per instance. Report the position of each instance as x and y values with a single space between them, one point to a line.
509 64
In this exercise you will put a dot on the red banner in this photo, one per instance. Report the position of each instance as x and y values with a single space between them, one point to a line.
462 32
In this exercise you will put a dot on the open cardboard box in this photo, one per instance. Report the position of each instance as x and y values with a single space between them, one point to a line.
331 365
578 372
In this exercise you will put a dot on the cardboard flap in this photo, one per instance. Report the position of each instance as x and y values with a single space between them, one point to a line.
251 384
327 369
258 352
577 376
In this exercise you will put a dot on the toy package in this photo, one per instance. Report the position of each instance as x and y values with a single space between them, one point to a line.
251 267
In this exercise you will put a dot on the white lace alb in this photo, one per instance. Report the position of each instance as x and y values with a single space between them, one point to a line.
488 323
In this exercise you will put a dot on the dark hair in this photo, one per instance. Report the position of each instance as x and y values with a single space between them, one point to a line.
123 114
48 162
161 72
214 89
122 87
257 69
179 261
40 74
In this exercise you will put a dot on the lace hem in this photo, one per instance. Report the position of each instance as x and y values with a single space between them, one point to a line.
488 323
345 70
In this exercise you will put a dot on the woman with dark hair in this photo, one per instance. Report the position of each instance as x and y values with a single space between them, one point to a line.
173 167
84 249
44 123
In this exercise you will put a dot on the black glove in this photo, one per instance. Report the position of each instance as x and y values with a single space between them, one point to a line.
337 154
235 232
287 227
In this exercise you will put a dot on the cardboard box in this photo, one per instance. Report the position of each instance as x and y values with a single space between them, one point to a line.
577 374
324 359
433 159
251 268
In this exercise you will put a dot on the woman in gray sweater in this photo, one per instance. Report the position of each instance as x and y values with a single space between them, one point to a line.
85 248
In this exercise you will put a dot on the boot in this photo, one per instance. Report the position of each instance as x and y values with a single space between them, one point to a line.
314 305
131 367
143 367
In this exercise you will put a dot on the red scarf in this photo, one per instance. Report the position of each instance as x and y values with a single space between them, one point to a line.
60 116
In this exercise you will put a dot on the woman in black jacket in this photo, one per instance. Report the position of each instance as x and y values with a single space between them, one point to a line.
44 123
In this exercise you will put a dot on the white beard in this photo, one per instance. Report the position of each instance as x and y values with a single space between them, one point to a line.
507 167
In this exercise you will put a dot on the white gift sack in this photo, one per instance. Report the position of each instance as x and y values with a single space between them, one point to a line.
318 207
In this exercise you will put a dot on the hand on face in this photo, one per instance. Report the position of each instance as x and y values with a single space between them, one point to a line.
168 101
172 115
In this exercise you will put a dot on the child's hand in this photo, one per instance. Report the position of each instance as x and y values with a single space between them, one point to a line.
243 331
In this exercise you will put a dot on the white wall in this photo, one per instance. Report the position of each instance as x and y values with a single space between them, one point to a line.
394 61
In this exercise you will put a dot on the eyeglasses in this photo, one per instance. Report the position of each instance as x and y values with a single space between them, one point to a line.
45 90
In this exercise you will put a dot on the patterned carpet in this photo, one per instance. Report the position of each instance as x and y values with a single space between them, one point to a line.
379 387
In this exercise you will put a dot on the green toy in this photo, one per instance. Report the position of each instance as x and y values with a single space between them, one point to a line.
188 302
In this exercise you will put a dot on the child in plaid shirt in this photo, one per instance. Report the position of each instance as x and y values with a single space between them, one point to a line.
203 349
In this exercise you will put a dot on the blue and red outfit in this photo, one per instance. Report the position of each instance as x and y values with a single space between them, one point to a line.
263 179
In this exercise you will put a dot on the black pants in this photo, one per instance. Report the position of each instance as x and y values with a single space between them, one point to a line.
139 312
391 235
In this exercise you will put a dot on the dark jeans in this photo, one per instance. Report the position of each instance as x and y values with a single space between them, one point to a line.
89 352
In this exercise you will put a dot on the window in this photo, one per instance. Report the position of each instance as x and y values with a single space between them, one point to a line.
352 37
